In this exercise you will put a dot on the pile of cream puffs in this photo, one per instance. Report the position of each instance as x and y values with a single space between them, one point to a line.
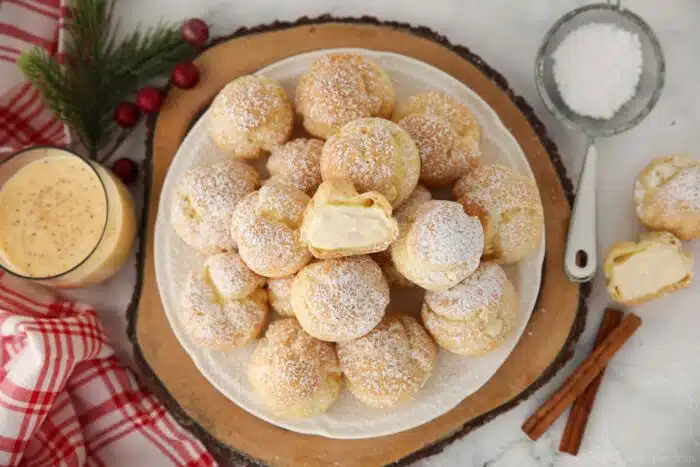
346 213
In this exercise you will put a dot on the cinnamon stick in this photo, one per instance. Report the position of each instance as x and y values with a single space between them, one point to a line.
581 409
579 380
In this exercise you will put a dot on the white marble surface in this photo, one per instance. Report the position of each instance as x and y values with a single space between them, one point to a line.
648 409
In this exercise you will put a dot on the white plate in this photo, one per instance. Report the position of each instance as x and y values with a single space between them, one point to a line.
454 377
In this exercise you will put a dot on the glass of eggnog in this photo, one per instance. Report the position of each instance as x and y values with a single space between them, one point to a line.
64 221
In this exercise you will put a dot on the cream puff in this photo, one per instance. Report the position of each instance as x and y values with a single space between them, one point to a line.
204 201
251 114
509 208
440 247
223 306
297 163
387 367
656 265
446 133
375 155
341 222
280 294
265 226
667 196
475 316
337 300
295 375
340 88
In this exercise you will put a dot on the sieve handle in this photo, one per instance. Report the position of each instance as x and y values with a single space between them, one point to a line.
581 257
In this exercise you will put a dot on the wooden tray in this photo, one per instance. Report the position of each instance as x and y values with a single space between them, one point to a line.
234 435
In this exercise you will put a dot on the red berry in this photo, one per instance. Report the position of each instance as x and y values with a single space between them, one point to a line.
149 100
195 32
185 75
126 170
126 114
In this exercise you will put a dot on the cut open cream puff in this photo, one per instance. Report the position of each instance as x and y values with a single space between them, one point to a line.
654 266
341 222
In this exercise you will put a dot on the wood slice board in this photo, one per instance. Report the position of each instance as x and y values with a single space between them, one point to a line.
233 434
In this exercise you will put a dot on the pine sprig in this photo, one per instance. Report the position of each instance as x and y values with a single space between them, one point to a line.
101 71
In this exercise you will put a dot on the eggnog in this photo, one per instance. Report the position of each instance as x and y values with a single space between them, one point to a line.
63 220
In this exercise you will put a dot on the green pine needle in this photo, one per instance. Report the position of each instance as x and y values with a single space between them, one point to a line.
101 71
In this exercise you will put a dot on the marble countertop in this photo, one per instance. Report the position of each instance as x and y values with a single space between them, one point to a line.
648 408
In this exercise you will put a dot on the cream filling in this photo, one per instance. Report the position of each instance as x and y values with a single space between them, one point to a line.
649 271
335 227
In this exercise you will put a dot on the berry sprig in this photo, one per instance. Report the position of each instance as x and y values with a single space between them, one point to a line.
184 75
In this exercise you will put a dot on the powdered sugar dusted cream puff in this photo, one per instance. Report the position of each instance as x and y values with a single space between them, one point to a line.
509 208
295 375
211 314
440 247
375 155
667 196
388 366
297 163
341 299
280 293
265 226
340 88
476 315
250 115
446 133
204 201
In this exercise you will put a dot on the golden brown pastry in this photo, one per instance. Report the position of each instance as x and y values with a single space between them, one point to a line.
388 366
475 316
230 276
295 375
342 299
667 196
509 207
204 201
375 155
340 88
642 271
297 163
404 213
280 293
446 133
222 304
250 114
341 222
265 226
440 247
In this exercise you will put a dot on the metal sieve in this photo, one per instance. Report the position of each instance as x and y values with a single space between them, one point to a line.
581 257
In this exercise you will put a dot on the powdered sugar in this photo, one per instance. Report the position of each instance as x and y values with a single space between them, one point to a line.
341 88
682 191
446 236
390 364
250 102
483 289
342 297
597 68
297 163
289 368
219 322
375 155
206 198
231 277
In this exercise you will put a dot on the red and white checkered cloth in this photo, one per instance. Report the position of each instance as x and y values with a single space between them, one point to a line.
66 400
24 120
